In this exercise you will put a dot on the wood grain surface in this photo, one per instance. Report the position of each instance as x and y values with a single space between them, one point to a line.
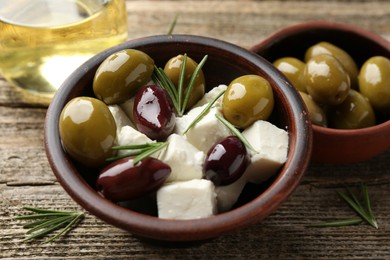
27 180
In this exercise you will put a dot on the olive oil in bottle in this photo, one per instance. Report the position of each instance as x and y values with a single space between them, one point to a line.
43 41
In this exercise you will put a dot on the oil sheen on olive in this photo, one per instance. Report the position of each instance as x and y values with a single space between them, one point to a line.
316 113
122 180
292 68
226 161
374 82
153 112
355 112
342 56
326 80
247 99
172 69
87 130
121 75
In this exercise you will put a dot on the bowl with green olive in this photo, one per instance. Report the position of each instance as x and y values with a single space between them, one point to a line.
342 73
138 193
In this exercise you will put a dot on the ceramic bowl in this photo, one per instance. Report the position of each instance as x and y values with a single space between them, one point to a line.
334 145
225 62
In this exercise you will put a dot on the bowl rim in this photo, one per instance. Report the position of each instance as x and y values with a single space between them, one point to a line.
181 230
320 24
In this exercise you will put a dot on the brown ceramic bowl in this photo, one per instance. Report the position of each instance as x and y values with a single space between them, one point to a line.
225 62
334 145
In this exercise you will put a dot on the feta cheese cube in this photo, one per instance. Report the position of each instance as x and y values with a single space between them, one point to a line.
129 136
209 96
185 160
271 145
206 132
120 117
192 199
228 195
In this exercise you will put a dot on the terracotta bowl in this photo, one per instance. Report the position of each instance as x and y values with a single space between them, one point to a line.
225 62
333 145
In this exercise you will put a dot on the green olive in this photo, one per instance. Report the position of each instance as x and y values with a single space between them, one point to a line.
121 75
316 113
355 112
342 56
247 99
292 68
87 130
172 69
374 82
326 80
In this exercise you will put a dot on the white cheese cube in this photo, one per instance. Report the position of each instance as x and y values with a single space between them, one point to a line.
271 145
186 200
206 132
228 195
185 160
120 117
211 95
130 136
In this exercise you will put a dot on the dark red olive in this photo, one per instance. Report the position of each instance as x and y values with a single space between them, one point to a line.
122 180
153 112
226 161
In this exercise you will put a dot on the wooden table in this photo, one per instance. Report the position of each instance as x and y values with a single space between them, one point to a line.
26 178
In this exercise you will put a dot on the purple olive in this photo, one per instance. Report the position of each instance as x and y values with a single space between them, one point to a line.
153 112
122 180
226 161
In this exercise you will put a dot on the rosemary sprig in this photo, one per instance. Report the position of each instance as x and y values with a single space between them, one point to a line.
179 99
140 151
173 24
235 131
47 221
204 112
363 210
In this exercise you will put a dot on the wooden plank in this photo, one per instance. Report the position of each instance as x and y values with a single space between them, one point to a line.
26 177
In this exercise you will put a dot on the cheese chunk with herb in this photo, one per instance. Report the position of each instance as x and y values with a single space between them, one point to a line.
271 145
228 195
129 136
211 95
186 161
192 199
206 132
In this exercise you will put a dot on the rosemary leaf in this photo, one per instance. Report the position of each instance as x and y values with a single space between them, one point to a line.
204 112
40 210
367 204
181 81
42 215
173 24
338 223
235 131
358 209
133 146
149 152
139 150
191 83
353 197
